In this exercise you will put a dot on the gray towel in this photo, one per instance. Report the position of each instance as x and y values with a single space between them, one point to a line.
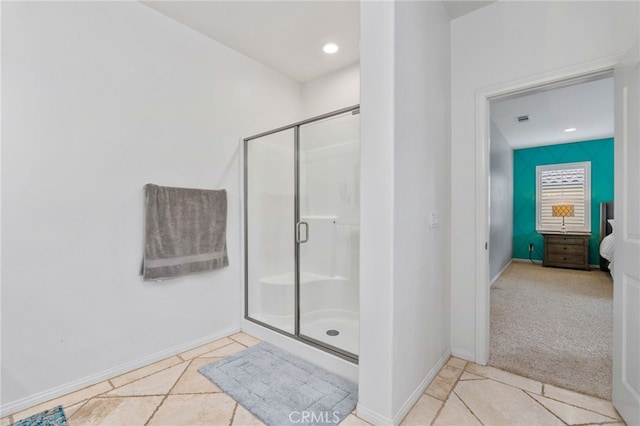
185 231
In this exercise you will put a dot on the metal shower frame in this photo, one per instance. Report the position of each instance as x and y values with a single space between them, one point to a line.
355 109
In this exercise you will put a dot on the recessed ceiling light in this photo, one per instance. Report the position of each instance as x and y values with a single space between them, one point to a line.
330 48
572 129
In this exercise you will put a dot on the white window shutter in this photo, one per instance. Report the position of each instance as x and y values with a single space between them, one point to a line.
568 183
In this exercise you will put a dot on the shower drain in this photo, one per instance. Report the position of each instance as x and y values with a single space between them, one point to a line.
333 332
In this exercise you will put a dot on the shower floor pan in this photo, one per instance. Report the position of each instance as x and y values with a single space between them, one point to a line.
323 325
316 325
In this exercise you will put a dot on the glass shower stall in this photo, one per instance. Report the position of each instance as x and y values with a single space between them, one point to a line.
302 209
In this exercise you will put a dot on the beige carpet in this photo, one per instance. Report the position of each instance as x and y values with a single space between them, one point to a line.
555 326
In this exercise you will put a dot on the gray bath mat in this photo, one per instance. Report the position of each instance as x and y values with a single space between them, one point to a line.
282 389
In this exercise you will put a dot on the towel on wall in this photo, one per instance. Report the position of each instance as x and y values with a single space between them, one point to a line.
185 231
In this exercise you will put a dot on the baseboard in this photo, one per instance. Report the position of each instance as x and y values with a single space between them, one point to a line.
462 354
535 261
539 262
377 419
55 392
415 396
372 417
499 274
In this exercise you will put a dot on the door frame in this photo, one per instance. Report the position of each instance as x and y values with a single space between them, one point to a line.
483 97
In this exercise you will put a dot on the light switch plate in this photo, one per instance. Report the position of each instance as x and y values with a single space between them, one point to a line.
434 221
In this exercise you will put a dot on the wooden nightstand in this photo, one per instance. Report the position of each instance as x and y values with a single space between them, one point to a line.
566 251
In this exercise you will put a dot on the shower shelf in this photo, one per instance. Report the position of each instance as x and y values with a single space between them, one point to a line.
320 217
305 278
335 219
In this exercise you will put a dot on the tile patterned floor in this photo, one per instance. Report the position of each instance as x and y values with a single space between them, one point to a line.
464 393
171 392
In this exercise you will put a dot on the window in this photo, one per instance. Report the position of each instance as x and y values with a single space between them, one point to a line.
566 184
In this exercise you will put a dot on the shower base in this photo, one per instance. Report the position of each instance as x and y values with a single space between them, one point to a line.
316 324
323 325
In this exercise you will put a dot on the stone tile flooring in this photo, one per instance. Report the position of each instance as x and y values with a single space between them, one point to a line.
171 392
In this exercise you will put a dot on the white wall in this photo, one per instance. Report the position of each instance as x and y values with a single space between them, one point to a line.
340 89
405 174
100 98
501 43
376 210
421 186
500 202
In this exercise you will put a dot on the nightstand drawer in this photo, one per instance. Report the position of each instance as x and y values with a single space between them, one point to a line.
564 249
565 259
564 239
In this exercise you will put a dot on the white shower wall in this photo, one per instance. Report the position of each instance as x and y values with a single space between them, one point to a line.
330 204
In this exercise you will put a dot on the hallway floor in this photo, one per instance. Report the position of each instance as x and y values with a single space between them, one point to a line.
171 392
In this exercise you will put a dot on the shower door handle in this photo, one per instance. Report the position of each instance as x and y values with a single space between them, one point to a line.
306 232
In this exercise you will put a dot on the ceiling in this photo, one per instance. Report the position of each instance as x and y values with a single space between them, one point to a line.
456 9
286 36
587 107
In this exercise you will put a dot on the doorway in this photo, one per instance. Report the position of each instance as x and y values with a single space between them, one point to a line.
550 324
483 98
538 315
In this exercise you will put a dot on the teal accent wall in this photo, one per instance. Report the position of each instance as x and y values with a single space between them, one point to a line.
599 152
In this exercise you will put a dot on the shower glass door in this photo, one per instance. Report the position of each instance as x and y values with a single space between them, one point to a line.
329 211
302 230
269 218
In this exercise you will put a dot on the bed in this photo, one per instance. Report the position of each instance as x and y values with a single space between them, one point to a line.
606 236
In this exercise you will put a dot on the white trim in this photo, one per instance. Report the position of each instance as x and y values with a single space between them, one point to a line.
519 259
64 389
415 396
539 262
375 418
372 417
499 274
482 176
462 354
481 343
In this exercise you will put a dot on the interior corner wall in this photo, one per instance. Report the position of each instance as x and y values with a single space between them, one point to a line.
404 260
376 211
92 111
487 50
599 152
500 202
340 89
